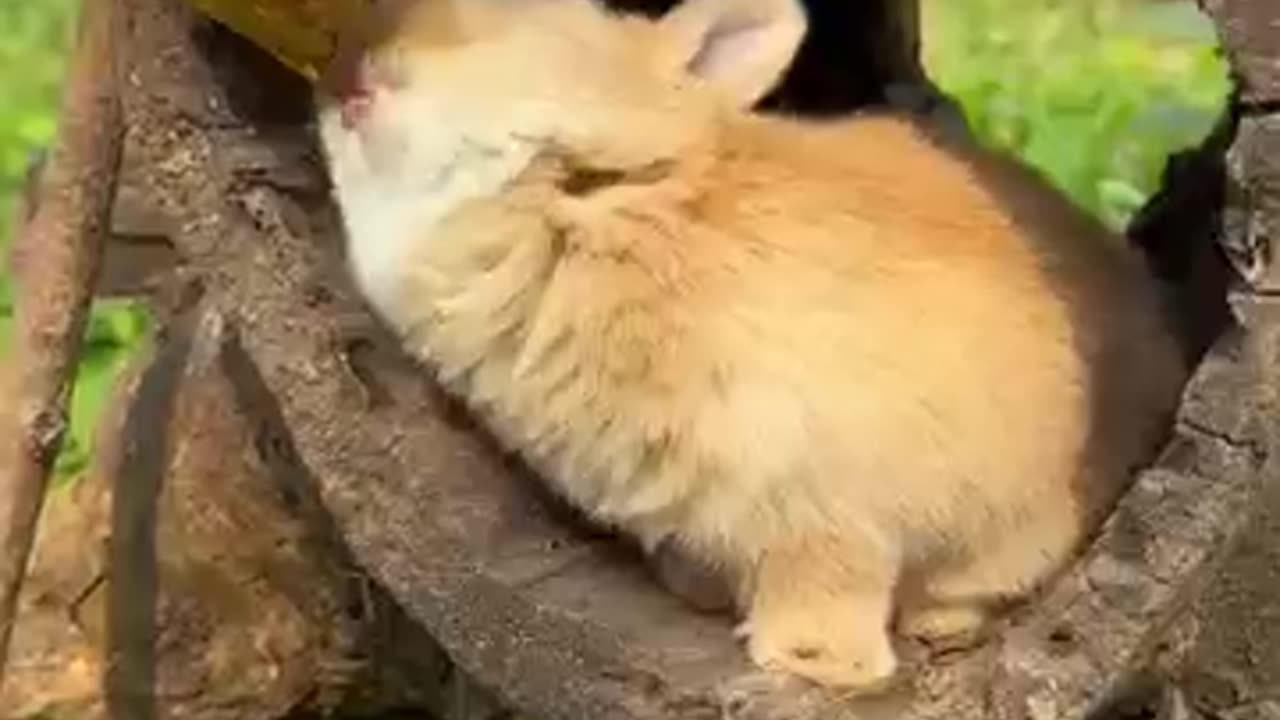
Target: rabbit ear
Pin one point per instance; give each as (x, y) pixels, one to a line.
(740, 47)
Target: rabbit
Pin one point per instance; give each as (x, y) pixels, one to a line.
(881, 380)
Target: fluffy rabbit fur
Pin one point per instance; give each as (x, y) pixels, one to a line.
(874, 377)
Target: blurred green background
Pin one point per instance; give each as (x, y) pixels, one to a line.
(1096, 93)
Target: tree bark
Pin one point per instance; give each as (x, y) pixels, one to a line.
(61, 246)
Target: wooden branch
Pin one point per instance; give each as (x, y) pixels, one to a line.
(61, 247)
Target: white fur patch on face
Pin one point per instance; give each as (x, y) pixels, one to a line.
(398, 174)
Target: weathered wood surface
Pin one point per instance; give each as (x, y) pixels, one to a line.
(1253, 219)
(1223, 652)
(62, 240)
(192, 574)
(1249, 30)
(562, 621)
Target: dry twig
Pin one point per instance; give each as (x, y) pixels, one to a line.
(61, 247)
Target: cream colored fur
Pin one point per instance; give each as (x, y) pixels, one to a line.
(827, 358)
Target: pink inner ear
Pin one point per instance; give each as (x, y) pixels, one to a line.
(728, 46)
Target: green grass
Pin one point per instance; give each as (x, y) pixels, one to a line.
(34, 37)
(1096, 93)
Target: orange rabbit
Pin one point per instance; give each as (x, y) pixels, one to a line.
(873, 376)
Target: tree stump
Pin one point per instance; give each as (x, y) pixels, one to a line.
(562, 621)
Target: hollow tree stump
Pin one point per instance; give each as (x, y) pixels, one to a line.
(563, 622)
(1224, 651)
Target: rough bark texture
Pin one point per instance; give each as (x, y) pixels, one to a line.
(193, 568)
(1253, 221)
(1165, 615)
(1248, 29)
(62, 244)
(1224, 650)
